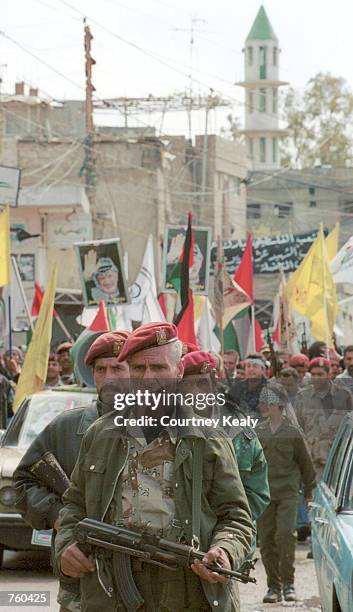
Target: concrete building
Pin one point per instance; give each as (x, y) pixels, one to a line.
(261, 83)
(142, 183)
(209, 178)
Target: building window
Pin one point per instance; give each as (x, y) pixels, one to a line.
(346, 207)
(262, 150)
(253, 211)
(250, 56)
(312, 190)
(251, 101)
(275, 56)
(251, 147)
(262, 62)
(274, 150)
(312, 204)
(262, 101)
(274, 100)
(282, 211)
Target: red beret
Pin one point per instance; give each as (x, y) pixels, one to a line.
(64, 346)
(298, 360)
(198, 362)
(109, 344)
(150, 335)
(189, 347)
(319, 362)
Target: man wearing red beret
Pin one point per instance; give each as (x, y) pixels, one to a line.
(320, 408)
(300, 363)
(40, 506)
(149, 480)
(201, 367)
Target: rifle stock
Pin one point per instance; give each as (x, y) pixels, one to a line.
(49, 471)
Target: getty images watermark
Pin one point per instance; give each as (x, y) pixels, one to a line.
(175, 409)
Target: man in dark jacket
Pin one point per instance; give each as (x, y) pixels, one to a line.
(148, 478)
(6, 400)
(39, 505)
(245, 393)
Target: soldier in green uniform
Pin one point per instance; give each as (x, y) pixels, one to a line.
(36, 502)
(200, 368)
(320, 408)
(144, 480)
(289, 464)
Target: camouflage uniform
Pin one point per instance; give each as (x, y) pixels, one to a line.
(319, 414)
(113, 482)
(147, 487)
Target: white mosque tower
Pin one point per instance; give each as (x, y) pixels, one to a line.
(262, 129)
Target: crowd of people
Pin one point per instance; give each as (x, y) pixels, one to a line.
(250, 480)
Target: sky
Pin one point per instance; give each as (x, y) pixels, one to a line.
(143, 47)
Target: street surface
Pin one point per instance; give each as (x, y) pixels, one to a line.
(28, 571)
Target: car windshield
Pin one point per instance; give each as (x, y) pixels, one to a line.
(43, 408)
(348, 498)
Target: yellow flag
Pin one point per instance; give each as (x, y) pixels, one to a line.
(34, 371)
(331, 242)
(4, 247)
(311, 290)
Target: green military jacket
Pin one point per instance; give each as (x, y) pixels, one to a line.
(225, 514)
(253, 470)
(319, 424)
(288, 459)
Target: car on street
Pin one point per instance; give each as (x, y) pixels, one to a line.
(332, 524)
(31, 418)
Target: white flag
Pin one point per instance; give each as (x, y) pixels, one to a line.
(342, 264)
(144, 305)
(206, 337)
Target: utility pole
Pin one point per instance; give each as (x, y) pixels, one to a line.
(89, 163)
(191, 30)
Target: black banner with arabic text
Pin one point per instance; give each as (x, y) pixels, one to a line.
(270, 253)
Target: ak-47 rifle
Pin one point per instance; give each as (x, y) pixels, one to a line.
(304, 341)
(273, 357)
(90, 534)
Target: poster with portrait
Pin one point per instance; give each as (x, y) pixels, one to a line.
(102, 272)
(174, 239)
(26, 266)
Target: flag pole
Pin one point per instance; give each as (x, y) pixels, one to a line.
(253, 330)
(22, 291)
(327, 340)
(10, 323)
(221, 312)
(284, 310)
(63, 327)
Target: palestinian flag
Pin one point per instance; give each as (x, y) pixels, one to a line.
(184, 317)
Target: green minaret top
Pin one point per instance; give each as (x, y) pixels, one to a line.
(261, 28)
